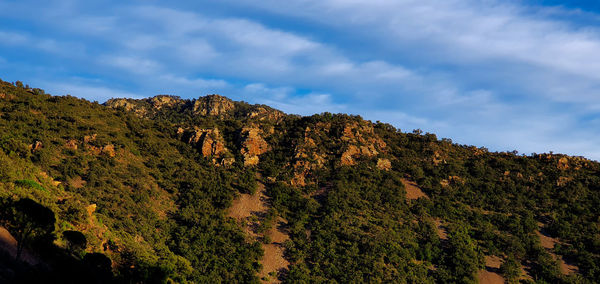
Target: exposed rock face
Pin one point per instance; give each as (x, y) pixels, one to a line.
(562, 181)
(438, 159)
(89, 138)
(90, 209)
(109, 150)
(209, 141)
(349, 155)
(211, 144)
(262, 113)
(384, 164)
(362, 142)
(253, 145)
(158, 102)
(71, 144)
(307, 155)
(213, 105)
(452, 180)
(563, 163)
(128, 105)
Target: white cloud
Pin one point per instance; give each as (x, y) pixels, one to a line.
(493, 73)
(195, 83)
(132, 64)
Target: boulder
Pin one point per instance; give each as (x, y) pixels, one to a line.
(384, 164)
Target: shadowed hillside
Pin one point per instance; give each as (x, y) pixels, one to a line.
(210, 189)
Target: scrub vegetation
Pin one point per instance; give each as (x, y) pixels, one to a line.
(139, 191)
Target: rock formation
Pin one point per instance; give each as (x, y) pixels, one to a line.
(211, 144)
(253, 145)
(128, 105)
(384, 164)
(263, 113)
(158, 102)
(361, 141)
(213, 105)
(307, 155)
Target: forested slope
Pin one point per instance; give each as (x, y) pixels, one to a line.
(139, 190)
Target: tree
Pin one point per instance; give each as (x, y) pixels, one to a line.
(462, 258)
(511, 269)
(27, 221)
(76, 241)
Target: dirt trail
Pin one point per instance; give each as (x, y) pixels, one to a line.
(250, 211)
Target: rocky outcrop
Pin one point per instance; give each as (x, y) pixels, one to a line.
(161, 101)
(562, 181)
(211, 144)
(563, 163)
(264, 113)
(253, 145)
(349, 155)
(438, 158)
(384, 164)
(307, 155)
(452, 180)
(129, 105)
(361, 141)
(213, 105)
(90, 209)
(89, 138)
(71, 144)
(109, 150)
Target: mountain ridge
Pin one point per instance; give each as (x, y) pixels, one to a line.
(149, 182)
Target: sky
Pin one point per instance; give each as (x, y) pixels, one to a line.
(502, 74)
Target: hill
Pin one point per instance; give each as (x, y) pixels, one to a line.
(212, 190)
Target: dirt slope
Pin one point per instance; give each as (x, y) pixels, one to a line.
(250, 211)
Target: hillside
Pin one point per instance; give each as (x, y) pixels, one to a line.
(212, 190)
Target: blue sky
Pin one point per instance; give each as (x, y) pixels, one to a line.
(506, 75)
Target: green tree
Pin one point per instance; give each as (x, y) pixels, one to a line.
(511, 270)
(462, 257)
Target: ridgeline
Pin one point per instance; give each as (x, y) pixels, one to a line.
(213, 190)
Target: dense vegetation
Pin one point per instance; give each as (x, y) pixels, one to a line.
(122, 193)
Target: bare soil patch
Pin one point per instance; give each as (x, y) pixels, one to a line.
(77, 182)
(487, 277)
(491, 275)
(247, 205)
(567, 268)
(412, 190)
(249, 211)
(441, 229)
(548, 243)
